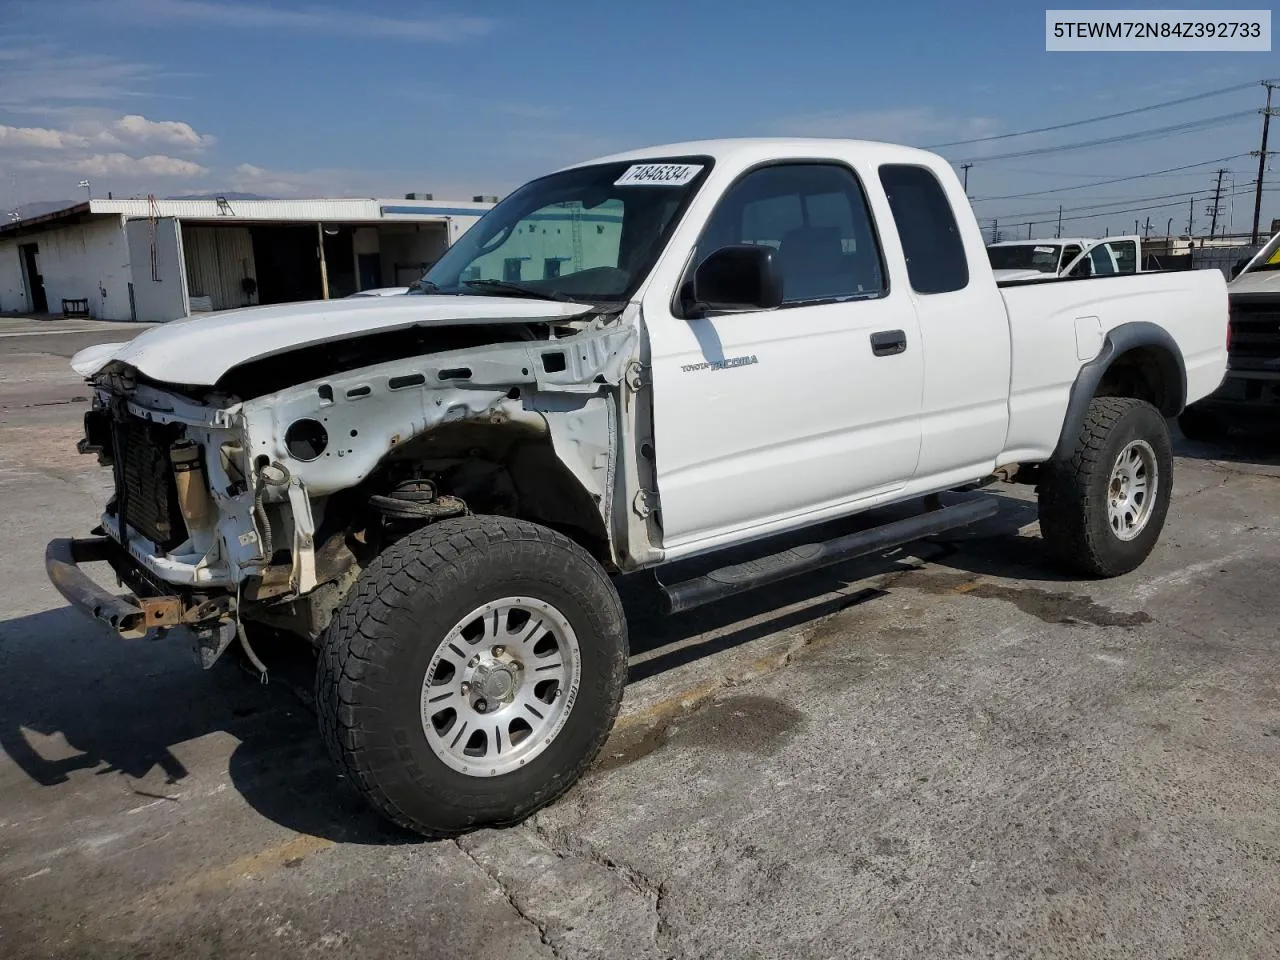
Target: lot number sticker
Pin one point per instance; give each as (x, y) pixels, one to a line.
(658, 175)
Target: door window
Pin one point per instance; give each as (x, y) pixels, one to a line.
(815, 215)
(1100, 259)
(1125, 253)
(936, 260)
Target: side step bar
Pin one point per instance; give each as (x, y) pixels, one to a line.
(740, 577)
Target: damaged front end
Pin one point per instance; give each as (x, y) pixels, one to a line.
(260, 497)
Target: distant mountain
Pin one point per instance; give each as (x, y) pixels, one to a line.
(38, 208)
(225, 196)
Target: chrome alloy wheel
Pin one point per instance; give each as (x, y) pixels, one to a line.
(500, 686)
(1131, 493)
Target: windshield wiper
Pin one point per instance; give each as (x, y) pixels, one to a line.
(519, 290)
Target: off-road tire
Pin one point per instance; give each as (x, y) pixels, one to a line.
(375, 654)
(1073, 490)
(1202, 427)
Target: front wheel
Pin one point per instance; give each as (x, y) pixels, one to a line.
(1103, 505)
(472, 675)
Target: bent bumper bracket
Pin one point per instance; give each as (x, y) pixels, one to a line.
(61, 562)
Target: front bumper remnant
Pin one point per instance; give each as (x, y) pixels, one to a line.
(130, 616)
(61, 562)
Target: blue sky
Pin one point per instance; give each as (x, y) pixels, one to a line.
(381, 97)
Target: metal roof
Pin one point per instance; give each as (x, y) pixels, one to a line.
(337, 210)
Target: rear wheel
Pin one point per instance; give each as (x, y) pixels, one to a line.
(473, 674)
(1102, 507)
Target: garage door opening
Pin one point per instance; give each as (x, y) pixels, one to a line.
(243, 265)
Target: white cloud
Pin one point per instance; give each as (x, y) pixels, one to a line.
(317, 19)
(86, 134)
(139, 129)
(39, 138)
(910, 125)
(118, 165)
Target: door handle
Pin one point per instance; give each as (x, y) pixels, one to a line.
(886, 343)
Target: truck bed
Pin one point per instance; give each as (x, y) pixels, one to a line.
(1056, 324)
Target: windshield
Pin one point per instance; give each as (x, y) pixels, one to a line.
(1270, 263)
(1041, 257)
(590, 233)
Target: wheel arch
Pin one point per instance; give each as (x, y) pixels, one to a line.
(548, 490)
(1138, 359)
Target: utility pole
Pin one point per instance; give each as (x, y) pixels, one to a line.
(324, 266)
(1058, 235)
(1146, 231)
(1262, 161)
(1217, 199)
(965, 167)
(1191, 214)
(995, 230)
(1135, 224)
(1028, 229)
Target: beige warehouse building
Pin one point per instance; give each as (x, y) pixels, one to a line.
(156, 260)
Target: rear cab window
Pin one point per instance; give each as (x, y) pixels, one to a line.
(927, 227)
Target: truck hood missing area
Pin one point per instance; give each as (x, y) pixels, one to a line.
(199, 350)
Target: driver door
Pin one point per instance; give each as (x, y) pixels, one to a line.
(770, 418)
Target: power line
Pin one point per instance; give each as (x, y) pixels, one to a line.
(1203, 123)
(1112, 213)
(1099, 183)
(1081, 176)
(1182, 195)
(1115, 213)
(1109, 116)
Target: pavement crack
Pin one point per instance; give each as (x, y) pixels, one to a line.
(568, 846)
(54, 403)
(1231, 470)
(509, 895)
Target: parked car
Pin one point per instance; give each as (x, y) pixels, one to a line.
(1079, 257)
(1249, 396)
(438, 490)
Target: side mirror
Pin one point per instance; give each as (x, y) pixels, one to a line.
(736, 279)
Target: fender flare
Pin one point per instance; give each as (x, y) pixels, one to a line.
(1119, 341)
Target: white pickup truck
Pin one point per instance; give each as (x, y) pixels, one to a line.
(740, 338)
(1079, 257)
